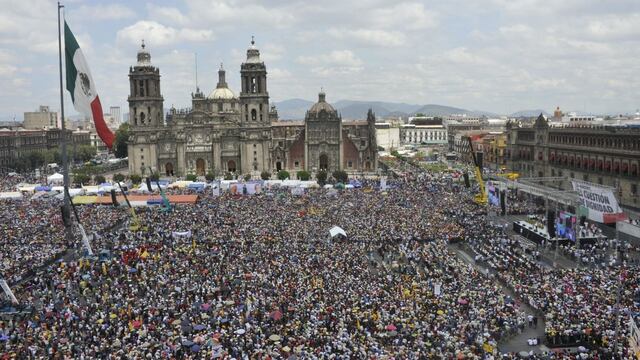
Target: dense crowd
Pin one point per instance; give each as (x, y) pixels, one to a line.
(259, 277)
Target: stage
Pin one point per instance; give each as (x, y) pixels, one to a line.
(540, 234)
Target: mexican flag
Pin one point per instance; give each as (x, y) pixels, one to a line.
(82, 88)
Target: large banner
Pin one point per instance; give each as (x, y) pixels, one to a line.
(602, 204)
(634, 338)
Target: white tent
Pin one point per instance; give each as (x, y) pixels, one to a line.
(55, 178)
(11, 195)
(154, 187)
(337, 230)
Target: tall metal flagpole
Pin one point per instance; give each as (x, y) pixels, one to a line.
(65, 162)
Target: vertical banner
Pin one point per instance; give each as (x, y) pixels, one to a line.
(601, 202)
(251, 188)
(85, 240)
(8, 291)
(383, 184)
(215, 188)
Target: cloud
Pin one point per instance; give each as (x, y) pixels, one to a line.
(369, 36)
(335, 62)
(157, 34)
(102, 12)
(411, 16)
(225, 13)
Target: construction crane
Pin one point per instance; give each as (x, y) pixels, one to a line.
(481, 197)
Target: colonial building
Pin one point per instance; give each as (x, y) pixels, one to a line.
(608, 155)
(223, 133)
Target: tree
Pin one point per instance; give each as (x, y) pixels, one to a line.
(192, 177)
(303, 175)
(118, 177)
(120, 143)
(341, 176)
(35, 159)
(210, 176)
(85, 152)
(228, 176)
(265, 175)
(420, 115)
(99, 179)
(80, 178)
(135, 178)
(283, 175)
(321, 176)
(247, 177)
(154, 177)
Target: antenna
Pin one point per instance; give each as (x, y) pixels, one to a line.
(196, 58)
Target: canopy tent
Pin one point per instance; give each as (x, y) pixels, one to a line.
(11, 195)
(337, 230)
(154, 187)
(56, 178)
(197, 186)
(93, 189)
(27, 187)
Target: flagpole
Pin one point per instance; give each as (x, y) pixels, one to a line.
(63, 137)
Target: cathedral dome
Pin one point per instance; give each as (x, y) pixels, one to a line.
(222, 93)
(322, 104)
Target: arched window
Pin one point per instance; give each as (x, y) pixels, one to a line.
(254, 114)
(141, 88)
(254, 85)
(142, 117)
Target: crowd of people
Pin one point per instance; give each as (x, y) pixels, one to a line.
(260, 277)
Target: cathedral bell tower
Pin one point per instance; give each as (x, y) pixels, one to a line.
(145, 113)
(254, 97)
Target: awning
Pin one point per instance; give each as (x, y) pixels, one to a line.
(336, 230)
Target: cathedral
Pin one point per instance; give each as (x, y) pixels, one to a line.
(224, 133)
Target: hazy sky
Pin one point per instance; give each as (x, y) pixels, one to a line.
(494, 55)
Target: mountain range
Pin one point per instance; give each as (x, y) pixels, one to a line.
(295, 109)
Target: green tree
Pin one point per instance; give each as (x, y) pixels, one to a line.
(192, 177)
(341, 176)
(265, 175)
(247, 177)
(120, 143)
(303, 175)
(228, 176)
(99, 179)
(81, 178)
(154, 177)
(85, 152)
(118, 177)
(35, 159)
(283, 175)
(210, 176)
(321, 176)
(135, 178)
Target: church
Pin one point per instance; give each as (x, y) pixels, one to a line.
(224, 133)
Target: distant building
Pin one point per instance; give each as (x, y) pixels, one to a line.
(388, 136)
(16, 144)
(423, 134)
(43, 118)
(114, 111)
(603, 154)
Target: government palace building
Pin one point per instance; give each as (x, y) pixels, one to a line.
(224, 133)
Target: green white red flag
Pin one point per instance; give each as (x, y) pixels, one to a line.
(82, 88)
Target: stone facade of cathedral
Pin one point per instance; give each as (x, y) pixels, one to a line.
(223, 133)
